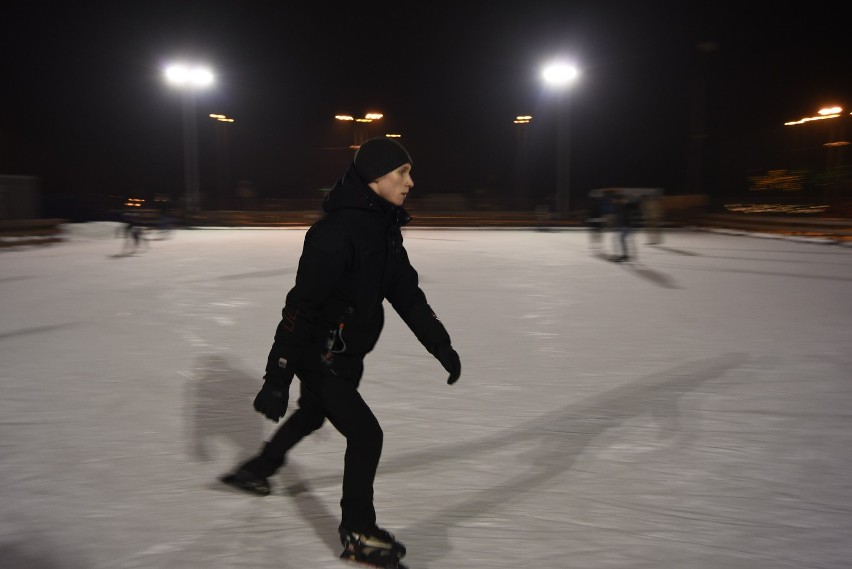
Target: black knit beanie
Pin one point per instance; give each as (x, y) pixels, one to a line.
(378, 156)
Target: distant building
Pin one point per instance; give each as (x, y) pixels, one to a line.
(20, 197)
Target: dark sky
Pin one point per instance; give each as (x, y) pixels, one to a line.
(84, 105)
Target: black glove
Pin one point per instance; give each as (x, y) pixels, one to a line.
(450, 360)
(271, 401)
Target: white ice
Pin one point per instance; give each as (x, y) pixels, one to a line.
(690, 410)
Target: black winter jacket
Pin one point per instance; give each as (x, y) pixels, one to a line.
(352, 260)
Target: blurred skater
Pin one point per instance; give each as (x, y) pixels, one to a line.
(652, 215)
(596, 222)
(626, 219)
(608, 213)
(134, 236)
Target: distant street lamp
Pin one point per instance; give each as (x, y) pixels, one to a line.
(833, 138)
(190, 79)
(560, 76)
(359, 133)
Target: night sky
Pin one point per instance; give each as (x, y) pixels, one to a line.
(85, 108)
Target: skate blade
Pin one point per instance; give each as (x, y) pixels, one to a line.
(232, 481)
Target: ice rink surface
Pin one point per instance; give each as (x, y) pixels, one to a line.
(690, 410)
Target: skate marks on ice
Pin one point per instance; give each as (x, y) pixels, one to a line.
(554, 442)
(38, 330)
(219, 412)
(636, 267)
(643, 271)
(250, 531)
(655, 277)
(640, 270)
(684, 252)
(312, 510)
(259, 274)
(124, 254)
(294, 501)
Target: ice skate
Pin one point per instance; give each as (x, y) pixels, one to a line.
(247, 482)
(376, 548)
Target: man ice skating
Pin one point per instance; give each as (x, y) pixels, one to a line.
(352, 260)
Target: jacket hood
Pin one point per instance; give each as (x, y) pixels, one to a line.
(352, 192)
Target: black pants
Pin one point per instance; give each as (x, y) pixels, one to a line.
(624, 233)
(336, 399)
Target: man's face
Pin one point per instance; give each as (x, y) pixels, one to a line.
(394, 185)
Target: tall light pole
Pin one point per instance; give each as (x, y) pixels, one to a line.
(223, 162)
(190, 79)
(698, 119)
(519, 194)
(559, 76)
